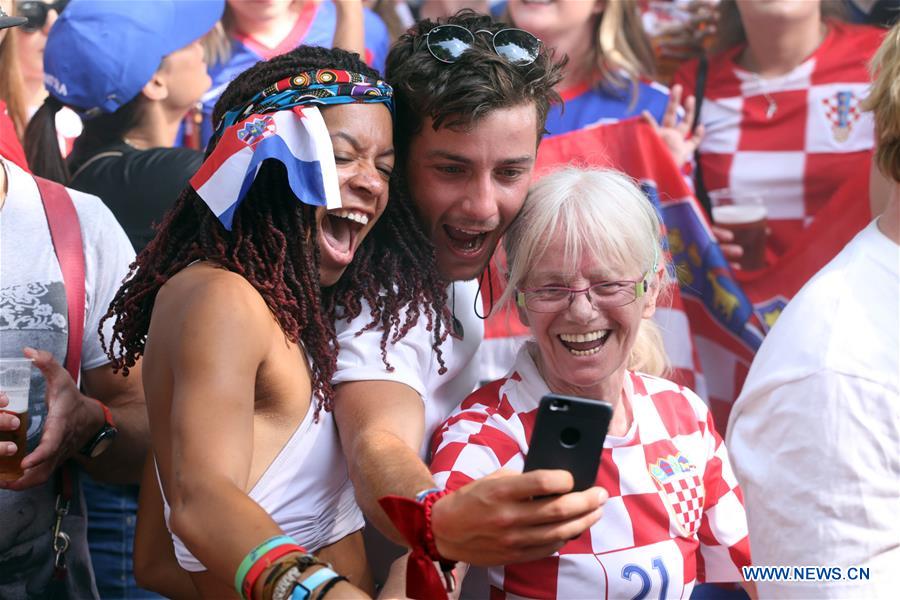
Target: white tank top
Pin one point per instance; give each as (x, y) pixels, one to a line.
(306, 490)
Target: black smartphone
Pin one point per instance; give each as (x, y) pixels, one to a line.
(568, 434)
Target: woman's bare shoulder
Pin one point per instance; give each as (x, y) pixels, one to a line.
(204, 296)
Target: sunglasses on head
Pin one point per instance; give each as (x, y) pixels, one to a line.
(447, 43)
(36, 12)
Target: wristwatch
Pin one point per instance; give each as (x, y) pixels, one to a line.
(98, 444)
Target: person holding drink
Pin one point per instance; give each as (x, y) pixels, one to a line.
(15, 381)
(104, 428)
(744, 217)
(586, 267)
(781, 110)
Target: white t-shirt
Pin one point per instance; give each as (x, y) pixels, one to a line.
(414, 364)
(32, 295)
(33, 312)
(815, 434)
(413, 359)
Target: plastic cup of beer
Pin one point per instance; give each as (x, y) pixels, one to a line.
(15, 383)
(745, 217)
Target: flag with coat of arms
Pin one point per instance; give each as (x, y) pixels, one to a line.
(297, 138)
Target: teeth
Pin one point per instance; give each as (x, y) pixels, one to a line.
(357, 217)
(469, 231)
(584, 352)
(583, 337)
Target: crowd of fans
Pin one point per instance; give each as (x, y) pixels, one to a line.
(293, 276)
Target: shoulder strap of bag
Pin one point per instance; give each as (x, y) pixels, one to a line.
(699, 92)
(65, 231)
(92, 160)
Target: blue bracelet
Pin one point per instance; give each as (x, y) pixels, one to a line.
(425, 493)
(305, 588)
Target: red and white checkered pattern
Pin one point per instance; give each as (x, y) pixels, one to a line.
(794, 160)
(685, 497)
(668, 539)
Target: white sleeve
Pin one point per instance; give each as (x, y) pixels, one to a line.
(818, 459)
(360, 357)
(107, 256)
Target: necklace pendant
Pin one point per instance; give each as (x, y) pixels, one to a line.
(458, 330)
(772, 108)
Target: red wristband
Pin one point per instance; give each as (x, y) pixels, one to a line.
(413, 520)
(430, 544)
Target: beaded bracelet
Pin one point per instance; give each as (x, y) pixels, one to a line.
(285, 574)
(259, 559)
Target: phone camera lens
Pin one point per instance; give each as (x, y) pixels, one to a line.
(569, 437)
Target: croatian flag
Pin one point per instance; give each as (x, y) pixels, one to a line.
(298, 138)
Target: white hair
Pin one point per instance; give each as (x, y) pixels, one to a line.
(599, 212)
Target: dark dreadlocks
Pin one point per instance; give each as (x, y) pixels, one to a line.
(273, 246)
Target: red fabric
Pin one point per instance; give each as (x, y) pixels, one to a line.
(412, 520)
(10, 148)
(65, 231)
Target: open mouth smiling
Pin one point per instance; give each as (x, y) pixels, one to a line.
(584, 344)
(466, 241)
(340, 230)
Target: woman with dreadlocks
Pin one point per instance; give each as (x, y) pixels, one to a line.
(233, 304)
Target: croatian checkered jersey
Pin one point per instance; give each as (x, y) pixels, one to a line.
(793, 141)
(675, 514)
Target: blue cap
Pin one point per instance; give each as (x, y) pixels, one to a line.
(101, 53)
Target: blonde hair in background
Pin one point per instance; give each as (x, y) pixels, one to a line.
(730, 29)
(12, 87)
(216, 45)
(884, 102)
(601, 212)
(622, 45)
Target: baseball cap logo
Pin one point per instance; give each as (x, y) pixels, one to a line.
(58, 86)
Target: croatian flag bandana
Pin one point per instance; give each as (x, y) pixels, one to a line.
(297, 137)
(283, 122)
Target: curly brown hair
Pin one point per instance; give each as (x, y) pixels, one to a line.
(458, 95)
(273, 246)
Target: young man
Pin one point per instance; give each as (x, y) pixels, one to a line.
(472, 100)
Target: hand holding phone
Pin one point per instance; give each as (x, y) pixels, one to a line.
(568, 434)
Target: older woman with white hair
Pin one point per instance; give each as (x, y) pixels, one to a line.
(586, 267)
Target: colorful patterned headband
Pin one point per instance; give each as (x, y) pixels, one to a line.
(318, 88)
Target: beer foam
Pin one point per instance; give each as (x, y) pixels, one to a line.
(734, 214)
(18, 400)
